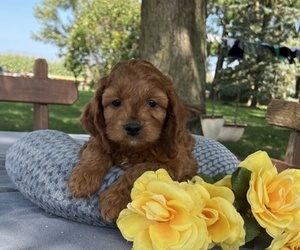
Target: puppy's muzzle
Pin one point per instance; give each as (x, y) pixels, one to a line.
(132, 128)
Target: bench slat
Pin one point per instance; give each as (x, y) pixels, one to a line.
(284, 114)
(37, 90)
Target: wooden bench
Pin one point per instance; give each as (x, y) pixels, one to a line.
(39, 90)
(287, 114)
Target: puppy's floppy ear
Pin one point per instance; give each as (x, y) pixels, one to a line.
(87, 119)
(175, 124)
(92, 118)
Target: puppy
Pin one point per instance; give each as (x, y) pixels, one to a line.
(136, 122)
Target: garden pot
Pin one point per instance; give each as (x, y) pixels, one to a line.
(211, 125)
(231, 132)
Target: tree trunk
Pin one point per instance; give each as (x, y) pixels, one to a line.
(221, 57)
(297, 89)
(173, 38)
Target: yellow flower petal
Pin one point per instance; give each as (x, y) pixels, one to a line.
(171, 191)
(141, 183)
(197, 193)
(256, 161)
(210, 216)
(182, 218)
(195, 237)
(137, 205)
(131, 223)
(157, 209)
(295, 173)
(223, 192)
(286, 241)
(163, 236)
(215, 190)
(225, 182)
(142, 241)
(217, 224)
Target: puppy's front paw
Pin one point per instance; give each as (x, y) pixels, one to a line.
(112, 203)
(84, 183)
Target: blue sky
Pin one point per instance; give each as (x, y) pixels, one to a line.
(17, 25)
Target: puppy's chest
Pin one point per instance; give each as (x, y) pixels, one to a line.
(128, 161)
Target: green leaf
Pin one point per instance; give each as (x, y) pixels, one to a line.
(240, 181)
(206, 178)
(252, 228)
(240, 185)
(212, 179)
(219, 176)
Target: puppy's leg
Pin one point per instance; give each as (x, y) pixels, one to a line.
(87, 176)
(114, 199)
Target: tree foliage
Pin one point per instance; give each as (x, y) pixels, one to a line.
(93, 35)
(270, 21)
(56, 18)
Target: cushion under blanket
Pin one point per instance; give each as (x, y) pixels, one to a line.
(40, 164)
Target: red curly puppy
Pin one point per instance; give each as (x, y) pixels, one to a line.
(136, 122)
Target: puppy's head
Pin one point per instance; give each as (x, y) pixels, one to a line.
(135, 106)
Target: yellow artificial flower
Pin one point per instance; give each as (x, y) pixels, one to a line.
(286, 241)
(226, 182)
(255, 161)
(215, 190)
(162, 215)
(274, 198)
(225, 225)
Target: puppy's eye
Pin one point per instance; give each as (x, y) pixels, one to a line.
(116, 103)
(152, 103)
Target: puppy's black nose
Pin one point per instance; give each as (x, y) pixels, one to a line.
(132, 128)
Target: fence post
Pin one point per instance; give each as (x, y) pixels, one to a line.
(41, 113)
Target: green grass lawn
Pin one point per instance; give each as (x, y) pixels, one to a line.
(258, 134)
(19, 116)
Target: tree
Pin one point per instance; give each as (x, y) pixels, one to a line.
(173, 38)
(101, 32)
(92, 35)
(259, 74)
(56, 18)
(104, 33)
